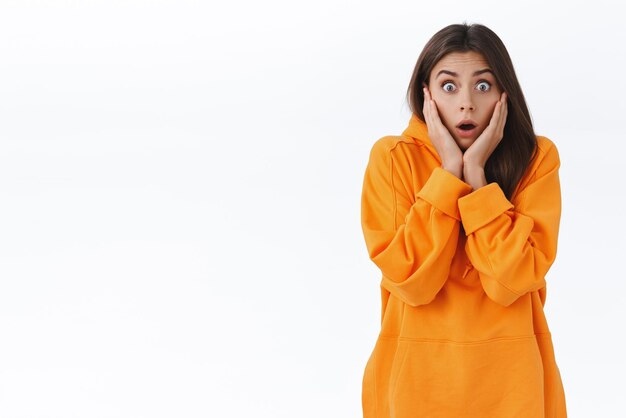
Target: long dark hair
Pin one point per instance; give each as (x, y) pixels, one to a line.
(509, 161)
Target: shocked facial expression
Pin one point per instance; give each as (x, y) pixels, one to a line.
(466, 92)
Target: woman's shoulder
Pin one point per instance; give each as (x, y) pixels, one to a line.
(388, 143)
(544, 143)
(545, 161)
(548, 156)
(403, 150)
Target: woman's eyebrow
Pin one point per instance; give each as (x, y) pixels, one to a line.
(453, 74)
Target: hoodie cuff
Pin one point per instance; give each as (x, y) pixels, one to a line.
(442, 190)
(482, 206)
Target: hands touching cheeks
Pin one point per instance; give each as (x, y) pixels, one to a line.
(469, 166)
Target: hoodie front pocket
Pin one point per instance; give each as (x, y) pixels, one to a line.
(501, 377)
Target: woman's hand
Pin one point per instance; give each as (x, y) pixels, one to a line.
(447, 148)
(477, 154)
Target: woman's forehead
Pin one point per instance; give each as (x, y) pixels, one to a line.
(461, 61)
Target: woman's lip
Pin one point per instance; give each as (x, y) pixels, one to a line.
(466, 133)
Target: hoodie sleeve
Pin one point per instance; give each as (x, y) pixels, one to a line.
(513, 247)
(412, 239)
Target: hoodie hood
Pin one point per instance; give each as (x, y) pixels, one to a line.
(418, 130)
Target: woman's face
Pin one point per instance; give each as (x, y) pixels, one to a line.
(463, 90)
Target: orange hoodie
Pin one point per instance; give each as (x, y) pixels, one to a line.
(463, 331)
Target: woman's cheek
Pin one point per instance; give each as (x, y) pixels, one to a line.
(492, 106)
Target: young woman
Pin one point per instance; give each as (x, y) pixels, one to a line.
(461, 214)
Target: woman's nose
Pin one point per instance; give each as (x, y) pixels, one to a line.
(466, 101)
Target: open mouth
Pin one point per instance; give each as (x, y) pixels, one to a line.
(467, 129)
(467, 126)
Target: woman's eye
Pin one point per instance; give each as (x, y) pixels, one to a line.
(445, 84)
(482, 86)
(485, 83)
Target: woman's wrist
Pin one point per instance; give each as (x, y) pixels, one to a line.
(456, 169)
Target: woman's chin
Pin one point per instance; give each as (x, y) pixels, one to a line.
(464, 143)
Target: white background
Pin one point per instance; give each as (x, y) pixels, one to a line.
(179, 198)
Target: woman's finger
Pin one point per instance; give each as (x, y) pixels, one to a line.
(435, 114)
(495, 118)
(497, 114)
(504, 113)
(427, 108)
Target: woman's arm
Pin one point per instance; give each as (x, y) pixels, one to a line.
(513, 247)
(412, 239)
